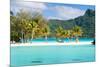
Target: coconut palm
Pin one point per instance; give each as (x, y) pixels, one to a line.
(22, 27)
(42, 24)
(23, 19)
(60, 34)
(77, 31)
(46, 32)
(34, 27)
(68, 34)
(59, 31)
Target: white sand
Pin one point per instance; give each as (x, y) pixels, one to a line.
(50, 43)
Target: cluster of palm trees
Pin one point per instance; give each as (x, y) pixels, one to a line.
(26, 25)
(75, 32)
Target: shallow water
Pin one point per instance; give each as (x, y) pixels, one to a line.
(36, 55)
(55, 40)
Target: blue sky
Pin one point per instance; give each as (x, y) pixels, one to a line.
(52, 10)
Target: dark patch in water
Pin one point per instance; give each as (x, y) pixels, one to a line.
(36, 61)
(76, 59)
(93, 43)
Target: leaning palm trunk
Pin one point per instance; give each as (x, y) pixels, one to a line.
(32, 35)
(22, 37)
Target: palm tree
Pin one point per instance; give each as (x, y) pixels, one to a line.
(34, 27)
(22, 26)
(59, 31)
(60, 34)
(77, 31)
(68, 34)
(41, 26)
(46, 32)
(23, 19)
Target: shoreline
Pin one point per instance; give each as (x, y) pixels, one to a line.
(51, 43)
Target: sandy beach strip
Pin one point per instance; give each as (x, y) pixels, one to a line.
(51, 43)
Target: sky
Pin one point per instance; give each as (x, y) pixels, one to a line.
(51, 10)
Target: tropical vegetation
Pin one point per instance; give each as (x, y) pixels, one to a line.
(26, 25)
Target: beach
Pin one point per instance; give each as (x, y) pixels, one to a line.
(51, 43)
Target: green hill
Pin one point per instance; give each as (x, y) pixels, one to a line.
(87, 22)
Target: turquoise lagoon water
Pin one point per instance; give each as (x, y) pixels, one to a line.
(54, 40)
(38, 55)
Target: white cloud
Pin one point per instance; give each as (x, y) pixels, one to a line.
(59, 11)
(66, 12)
(33, 6)
(54, 17)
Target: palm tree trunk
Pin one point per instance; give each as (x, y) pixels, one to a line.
(32, 35)
(22, 37)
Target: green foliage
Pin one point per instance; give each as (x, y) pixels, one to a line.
(26, 25)
(77, 31)
(86, 22)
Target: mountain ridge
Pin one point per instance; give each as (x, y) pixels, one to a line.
(87, 22)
